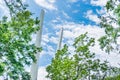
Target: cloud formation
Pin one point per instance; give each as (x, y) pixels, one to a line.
(47, 4)
(91, 16)
(71, 31)
(3, 9)
(42, 73)
(99, 2)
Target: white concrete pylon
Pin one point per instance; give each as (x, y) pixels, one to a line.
(60, 39)
(35, 66)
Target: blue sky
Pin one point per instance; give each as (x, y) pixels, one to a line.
(60, 12)
(76, 17)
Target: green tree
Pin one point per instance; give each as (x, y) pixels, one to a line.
(114, 76)
(79, 65)
(82, 64)
(111, 23)
(16, 49)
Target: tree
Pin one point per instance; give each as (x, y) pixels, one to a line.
(16, 49)
(115, 76)
(111, 23)
(79, 65)
(82, 64)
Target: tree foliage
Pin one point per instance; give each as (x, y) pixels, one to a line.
(79, 65)
(16, 51)
(113, 78)
(111, 23)
(82, 64)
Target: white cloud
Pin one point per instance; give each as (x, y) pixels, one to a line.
(23, 1)
(57, 19)
(1, 78)
(54, 39)
(101, 11)
(92, 16)
(66, 15)
(99, 2)
(4, 10)
(52, 1)
(47, 4)
(77, 29)
(66, 25)
(42, 73)
(68, 34)
(2, 4)
(112, 58)
(72, 30)
(45, 38)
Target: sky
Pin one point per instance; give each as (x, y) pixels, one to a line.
(76, 17)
